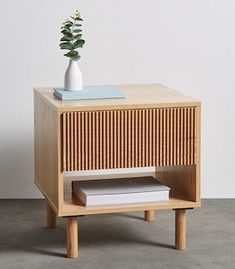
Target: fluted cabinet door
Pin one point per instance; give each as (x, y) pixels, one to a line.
(128, 138)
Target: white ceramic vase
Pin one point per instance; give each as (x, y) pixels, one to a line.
(73, 77)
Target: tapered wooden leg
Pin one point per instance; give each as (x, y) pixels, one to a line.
(180, 229)
(72, 237)
(149, 215)
(51, 217)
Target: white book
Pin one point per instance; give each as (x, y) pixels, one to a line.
(120, 191)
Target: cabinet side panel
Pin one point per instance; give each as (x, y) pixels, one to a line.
(46, 150)
(181, 179)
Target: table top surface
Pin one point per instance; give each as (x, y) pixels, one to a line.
(137, 97)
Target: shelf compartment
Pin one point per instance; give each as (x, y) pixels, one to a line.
(180, 197)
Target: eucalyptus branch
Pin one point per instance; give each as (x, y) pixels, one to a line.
(72, 34)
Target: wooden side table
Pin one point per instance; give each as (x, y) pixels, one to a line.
(154, 126)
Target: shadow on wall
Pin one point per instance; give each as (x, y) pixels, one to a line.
(16, 168)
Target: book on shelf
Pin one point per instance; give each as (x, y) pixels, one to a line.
(89, 92)
(120, 191)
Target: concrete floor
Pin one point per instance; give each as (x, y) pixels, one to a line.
(117, 240)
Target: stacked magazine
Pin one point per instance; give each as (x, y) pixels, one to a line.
(120, 191)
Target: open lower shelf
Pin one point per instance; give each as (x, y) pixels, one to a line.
(181, 195)
(73, 207)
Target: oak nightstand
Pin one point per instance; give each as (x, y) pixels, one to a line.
(153, 126)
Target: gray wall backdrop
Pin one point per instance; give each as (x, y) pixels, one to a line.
(187, 45)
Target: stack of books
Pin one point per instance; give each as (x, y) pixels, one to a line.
(120, 191)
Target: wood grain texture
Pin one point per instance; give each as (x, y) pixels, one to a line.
(72, 237)
(154, 126)
(149, 215)
(181, 195)
(181, 179)
(73, 207)
(197, 152)
(150, 134)
(47, 153)
(180, 229)
(139, 96)
(162, 130)
(51, 217)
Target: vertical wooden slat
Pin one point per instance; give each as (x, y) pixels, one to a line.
(111, 140)
(97, 139)
(171, 136)
(167, 136)
(164, 151)
(188, 135)
(64, 142)
(178, 137)
(75, 141)
(83, 141)
(181, 136)
(192, 138)
(72, 141)
(122, 139)
(143, 127)
(161, 143)
(158, 123)
(129, 135)
(68, 141)
(146, 153)
(185, 136)
(79, 146)
(154, 138)
(89, 141)
(115, 139)
(126, 133)
(93, 147)
(175, 135)
(104, 139)
(150, 144)
(101, 150)
(132, 138)
(136, 138)
(108, 140)
(118, 138)
(139, 139)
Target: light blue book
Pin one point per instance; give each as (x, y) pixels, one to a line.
(89, 92)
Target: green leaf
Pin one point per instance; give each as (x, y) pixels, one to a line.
(73, 55)
(78, 36)
(66, 38)
(67, 33)
(76, 58)
(79, 19)
(66, 27)
(77, 31)
(66, 45)
(67, 30)
(78, 44)
(68, 24)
